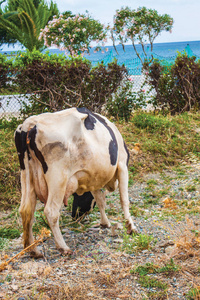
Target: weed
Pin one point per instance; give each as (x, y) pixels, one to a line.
(193, 294)
(190, 188)
(151, 182)
(3, 243)
(150, 268)
(137, 243)
(150, 197)
(9, 124)
(158, 295)
(9, 232)
(40, 221)
(136, 211)
(149, 282)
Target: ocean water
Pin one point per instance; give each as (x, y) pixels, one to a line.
(162, 51)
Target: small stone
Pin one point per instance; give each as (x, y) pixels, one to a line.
(14, 287)
(119, 241)
(145, 251)
(169, 249)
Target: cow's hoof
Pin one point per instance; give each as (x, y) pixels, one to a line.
(36, 254)
(130, 228)
(105, 225)
(65, 251)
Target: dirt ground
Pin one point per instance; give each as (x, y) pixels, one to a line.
(104, 263)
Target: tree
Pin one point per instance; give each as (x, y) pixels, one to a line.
(5, 36)
(73, 33)
(142, 25)
(22, 21)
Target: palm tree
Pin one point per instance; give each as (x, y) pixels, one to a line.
(23, 20)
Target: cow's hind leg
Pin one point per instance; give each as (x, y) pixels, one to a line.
(99, 197)
(27, 209)
(123, 189)
(52, 212)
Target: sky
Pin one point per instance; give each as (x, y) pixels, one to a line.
(186, 14)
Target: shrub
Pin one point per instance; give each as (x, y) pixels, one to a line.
(56, 82)
(5, 65)
(178, 86)
(125, 100)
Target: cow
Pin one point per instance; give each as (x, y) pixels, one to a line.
(67, 152)
(82, 204)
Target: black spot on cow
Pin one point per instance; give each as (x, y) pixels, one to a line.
(20, 143)
(128, 155)
(31, 136)
(82, 204)
(90, 125)
(90, 121)
(113, 146)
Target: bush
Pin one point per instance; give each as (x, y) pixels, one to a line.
(56, 83)
(178, 86)
(5, 66)
(125, 100)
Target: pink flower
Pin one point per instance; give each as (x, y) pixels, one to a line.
(131, 79)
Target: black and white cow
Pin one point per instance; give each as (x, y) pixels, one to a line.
(82, 204)
(67, 152)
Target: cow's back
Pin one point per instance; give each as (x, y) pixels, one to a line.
(78, 143)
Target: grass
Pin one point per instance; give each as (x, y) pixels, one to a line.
(193, 294)
(165, 142)
(169, 268)
(137, 242)
(9, 232)
(149, 282)
(9, 165)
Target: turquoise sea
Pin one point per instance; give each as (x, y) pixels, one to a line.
(162, 51)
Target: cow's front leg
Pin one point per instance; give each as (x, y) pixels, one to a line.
(100, 199)
(27, 209)
(123, 189)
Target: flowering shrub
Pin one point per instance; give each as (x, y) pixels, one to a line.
(142, 25)
(178, 86)
(73, 33)
(57, 83)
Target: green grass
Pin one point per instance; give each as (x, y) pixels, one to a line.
(165, 143)
(9, 232)
(150, 282)
(164, 140)
(9, 167)
(149, 268)
(137, 242)
(193, 294)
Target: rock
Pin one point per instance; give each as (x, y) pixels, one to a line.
(170, 249)
(118, 241)
(14, 287)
